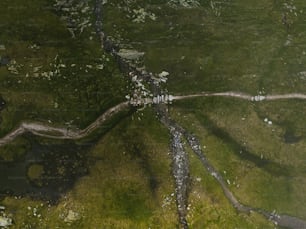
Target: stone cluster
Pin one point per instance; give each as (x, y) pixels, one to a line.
(5, 221)
(258, 98)
(76, 14)
(184, 3)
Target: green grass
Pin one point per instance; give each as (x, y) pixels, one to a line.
(208, 206)
(133, 178)
(264, 171)
(243, 49)
(78, 94)
(129, 185)
(126, 186)
(15, 151)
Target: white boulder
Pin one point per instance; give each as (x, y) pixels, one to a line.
(5, 222)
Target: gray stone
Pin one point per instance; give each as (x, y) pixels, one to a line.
(71, 217)
(5, 222)
(130, 54)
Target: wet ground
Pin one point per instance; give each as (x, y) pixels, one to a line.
(256, 47)
(62, 164)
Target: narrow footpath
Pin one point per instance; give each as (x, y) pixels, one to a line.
(180, 164)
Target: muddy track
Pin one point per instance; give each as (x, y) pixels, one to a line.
(281, 220)
(48, 131)
(180, 166)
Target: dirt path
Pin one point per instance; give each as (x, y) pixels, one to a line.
(48, 131)
(281, 220)
(180, 159)
(244, 96)
(221, 94)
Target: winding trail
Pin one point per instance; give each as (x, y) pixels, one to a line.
(49, 131)
(179, 157)
(281, 220)
(196, 148)
(278, 219)
(180, 165)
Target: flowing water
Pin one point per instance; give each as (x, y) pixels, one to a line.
(256, 47)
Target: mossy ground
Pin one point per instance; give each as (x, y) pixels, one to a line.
(77, 91)
(128, 186)
(263, 170)
(246, 47)
(209, 208)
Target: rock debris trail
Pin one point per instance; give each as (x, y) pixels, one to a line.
(181, 175)
(281, 220)
(180, 166)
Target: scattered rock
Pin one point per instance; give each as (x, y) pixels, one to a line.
(163, 74)
(184, 3)
(5, 222)
(100, 66)
(130, 54)
(34, 46)
(71, 217)
(13, 67)
(258, 98)
(141, 15)
(75, 14)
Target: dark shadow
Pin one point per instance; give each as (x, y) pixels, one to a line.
(290, 137)
(143, 160)
(63, 162)
(269, 166)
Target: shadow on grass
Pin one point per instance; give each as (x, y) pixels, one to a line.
(269, 166)
(63, 161)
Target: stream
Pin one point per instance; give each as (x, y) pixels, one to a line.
(180, 165)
